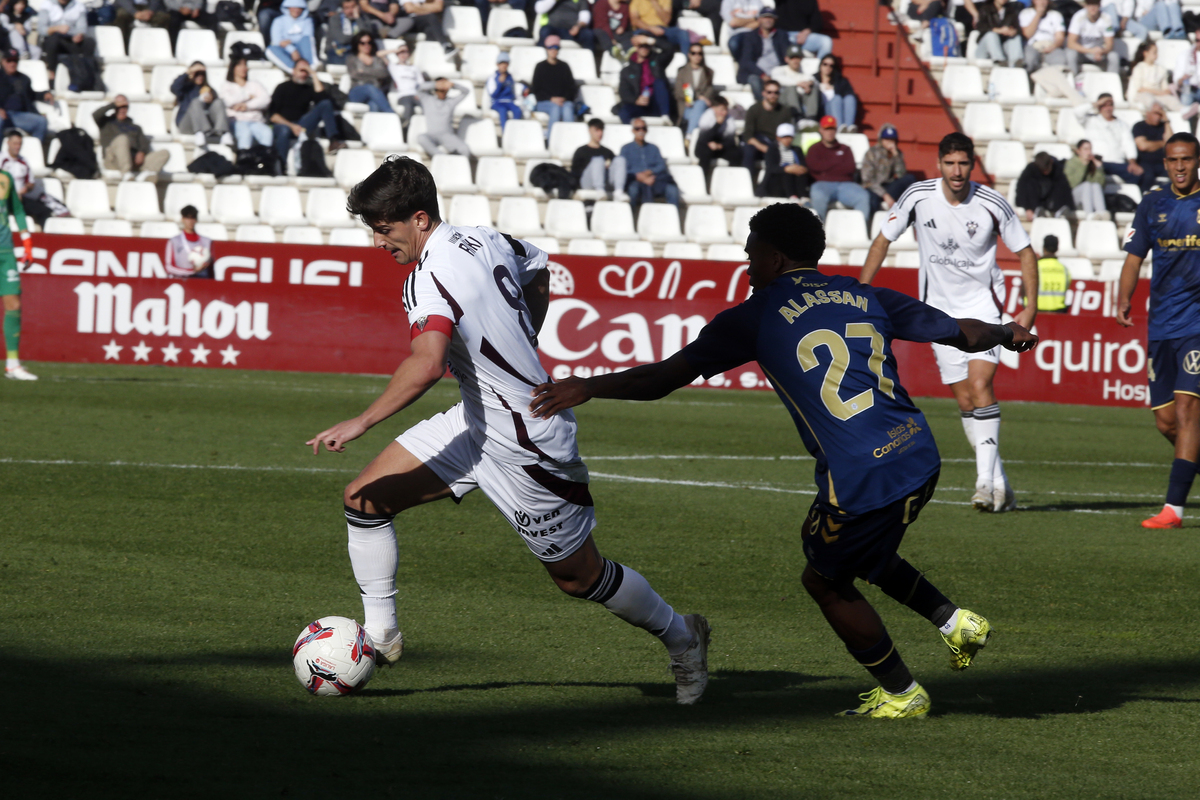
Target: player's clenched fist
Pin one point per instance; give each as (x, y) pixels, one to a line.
(335, 438)
(551, 398)
(1022, 339)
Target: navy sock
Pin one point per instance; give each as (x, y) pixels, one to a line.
(1180, 483)
(907, 586)
(883, 661)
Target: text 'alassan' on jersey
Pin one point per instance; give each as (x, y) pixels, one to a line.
(474, 277)
(824, 342)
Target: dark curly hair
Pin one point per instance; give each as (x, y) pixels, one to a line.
(956, 143)
(393, 193)
(793, 230)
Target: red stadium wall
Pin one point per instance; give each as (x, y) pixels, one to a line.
(338, 309)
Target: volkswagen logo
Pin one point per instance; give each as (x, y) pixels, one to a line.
(1191, 363)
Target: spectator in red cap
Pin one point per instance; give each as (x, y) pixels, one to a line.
(762, 120)
(17, 109)
(883, 170)
(554, 86)
(831, 165)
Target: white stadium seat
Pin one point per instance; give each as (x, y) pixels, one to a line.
(983, 121)
(350, 237)
(612, 221)
(731, 186)
(126, 79)
(566, 138)
(1046, 226)
(726, 252)
(213, 230)
(845, 229)
(470, 209)
(159, 230)
(530, 189)
(523, 59)
(566, 219)
(161, 78)
(706, 225)
(518, 216)
(582, 63)
(150, 47)
(464, 25)
(480, 137)
(669, 141)
(150, 117)
(302, 234)
(503, 19)
(631, 248)
(1009, 85)
(186, 194)
(659, 222)
(252, 37)
(740, 228)
(544, 243)
(683, 250)
(497, 176)
(524, 138)
(587, 247)
(690, 180)
(1005, 160)
(326, 208)
(197, 45)
(280, 206)
(350, 167)
(430, 58)
(255, 233)
(962, 83)
(137, 201)
(452, 173)
(67, 225)
(1031, 123)
(110, 44)
(479, 61)
(617, 136)
(88, 199)
(382, 133)
(39, 79)
(1097, 240)
(1098, 83)
(600, 99)
(107, 227)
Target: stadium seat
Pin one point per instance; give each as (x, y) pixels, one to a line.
(159, 230)
(690, 180)
(523, 59)
(524, 138)
(464, 25)
(566, 219)
(161, 78)
(689, 251)
(518, 216)
(83, 117)
(39, 79)
(101, 227)
(1110, 270)
(983, 121)
(504, 19)
(381, 132)
(731, 186)
(1009, 85)
(858, 144)
(659, 222)
(126, 79)
(908, 259)
(213, 230)
(280, 206)
(1046, 226)
(480, 137)
(350, 237)
(1098, 83)
(269, 77)
(470, 209)
(251, 37)
(430, 58)
(740, 229)
(582, 63)
(88, 199)
(71, 226)
(1031, 123)
(255, 233)
(857, 257)
(907, 240)
(566, 138)
(706, 225)
(1077, 268)
(544, 243)
(326, 208)
(1067, 128)
(600, 99)
(197, 45)
(630, 248)
(110, 45)
(1005, 160)
(352, 166)
(452, 173)
(302, 234)
(150, 47)
(724, 70)
(150, 117)
(587, 247)
(416, 127)
(726, 252)
(678, 59)
(963, 83)
(701, 25)
(1097, 240)
(497, 177)
(479, 61)
(845, 229)
(186, 194)
(612, 221)
(137, 201)
(177, 162)
(669, 141)
(617, 136)
(31, 151)
(830, 256)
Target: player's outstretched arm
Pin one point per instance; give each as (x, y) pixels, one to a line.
(975, 336)
(1029, 282)
(1128, 285)
(415, 376)
(875, 257)
(647, 382)
(537, 298)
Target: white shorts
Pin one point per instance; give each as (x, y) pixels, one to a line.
(952, 362)
(548, 505)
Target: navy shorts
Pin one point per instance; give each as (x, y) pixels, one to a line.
(841, 546)
(1173, 365)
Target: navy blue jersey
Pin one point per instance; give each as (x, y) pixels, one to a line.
(1170, 224)
(824, 342)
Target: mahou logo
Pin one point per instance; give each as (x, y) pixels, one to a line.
(109, 308)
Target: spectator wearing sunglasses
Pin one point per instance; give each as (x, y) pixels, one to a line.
(642, 85)
(762, 120)
(646, 171)
(198, 110)
(369, 77)
(694, 90)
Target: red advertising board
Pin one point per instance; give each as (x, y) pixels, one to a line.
(338, 309)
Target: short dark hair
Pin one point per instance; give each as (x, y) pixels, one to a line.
(393, 193)
(596, 122)
(771, 83)
(791, 229)
(1044, 162)
(1187, 138)
(1103, 95)
(720, 100)
(1050, 244)
(189, 212)
(956, 143)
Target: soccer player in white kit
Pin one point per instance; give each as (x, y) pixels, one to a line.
(476, 300)
(956, 222)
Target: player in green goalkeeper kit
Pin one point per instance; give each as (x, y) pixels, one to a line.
(10, 275)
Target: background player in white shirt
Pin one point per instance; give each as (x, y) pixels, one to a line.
(476, 300)
(956, 222)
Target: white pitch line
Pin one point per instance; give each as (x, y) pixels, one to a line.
(707, 457)
(153, 465)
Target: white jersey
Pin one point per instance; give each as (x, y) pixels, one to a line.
(957, 246)
(474, 278)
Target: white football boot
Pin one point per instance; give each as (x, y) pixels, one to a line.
(389, 652)
(19, 373)
(691, 666)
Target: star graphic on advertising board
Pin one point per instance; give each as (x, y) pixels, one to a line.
(112, 350)
(200, 354)
(229, 355)
(141, 351)
(171, 352)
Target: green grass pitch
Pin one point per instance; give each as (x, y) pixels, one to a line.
(166, 535)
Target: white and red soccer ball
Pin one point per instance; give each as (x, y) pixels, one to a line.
(333, 656)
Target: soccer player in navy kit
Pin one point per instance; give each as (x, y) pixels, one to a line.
(824, 343)
(1168, 220)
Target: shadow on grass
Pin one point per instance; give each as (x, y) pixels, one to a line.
(1095, 505)
(83, 730)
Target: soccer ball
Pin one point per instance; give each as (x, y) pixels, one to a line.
(198, 256)
(333, 656)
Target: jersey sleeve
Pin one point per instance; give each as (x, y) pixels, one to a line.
(1012, 232)
(529, 259)
(1138, 240)
(900, 217)
(915, 321)
(726, 342)
(425, 297)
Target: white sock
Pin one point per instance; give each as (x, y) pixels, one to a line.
(968, 422)
(948, 628)
(13, 363)
(987, 442)
(1177, 509)
(999, 476)
(374, 556)
(628, 595)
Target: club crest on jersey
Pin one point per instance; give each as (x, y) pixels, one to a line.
(972, 226)
(421, 323)
(949, 246)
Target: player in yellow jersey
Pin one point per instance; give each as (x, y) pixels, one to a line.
(10, 275)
